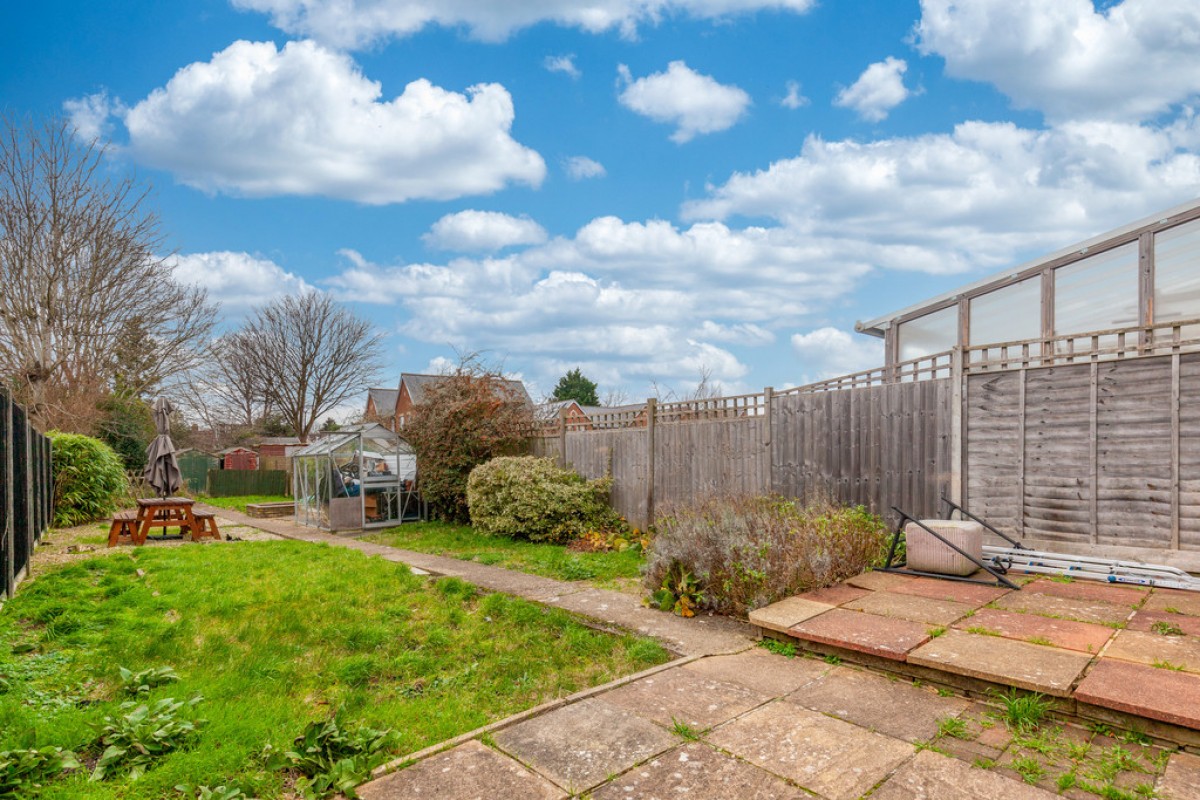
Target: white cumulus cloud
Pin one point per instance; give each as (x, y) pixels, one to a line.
(483, 231)
(1071, 60)
(793, 99)
(238, 281)
(975, 198)
(580, 167)
(877, 91)
(357, 23)
(304, 120)
(682, 97)
(828, 352)
(564, 64)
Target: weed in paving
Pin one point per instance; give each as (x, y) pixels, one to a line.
(1023, 712)
(779, 648)
(685, 731)
(1164, 628)
(954, 727)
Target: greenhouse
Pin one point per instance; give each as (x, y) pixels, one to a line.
(363, 476)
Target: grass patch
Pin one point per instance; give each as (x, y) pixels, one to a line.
(275, 636)
(240, 503)
(538, 558)
(1023, 712)
(779, 648)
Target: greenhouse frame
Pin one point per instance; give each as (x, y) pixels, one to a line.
(361, 477)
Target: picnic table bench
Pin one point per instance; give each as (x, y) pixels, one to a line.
(156, 512)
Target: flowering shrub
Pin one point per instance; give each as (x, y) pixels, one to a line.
(533, 498)
(748, 552)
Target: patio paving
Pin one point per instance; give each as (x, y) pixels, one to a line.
(1127, 649)
(580, 745)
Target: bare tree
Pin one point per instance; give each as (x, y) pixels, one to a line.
(307, 355)
(224, 394)
(88, 305)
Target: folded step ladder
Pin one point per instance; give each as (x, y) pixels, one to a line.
(1019, 559)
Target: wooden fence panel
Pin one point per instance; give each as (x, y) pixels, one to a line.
(694, 460)
(877, 446)
(1058, 486)
(620, 453)
(1133, 446)
(1189, 452)
(994, 436)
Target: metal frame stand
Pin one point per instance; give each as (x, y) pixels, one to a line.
(996, 569)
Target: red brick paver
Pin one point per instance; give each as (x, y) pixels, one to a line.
(1161, 694)
(867, 633)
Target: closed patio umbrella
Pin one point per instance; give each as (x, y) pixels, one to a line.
(162, 470)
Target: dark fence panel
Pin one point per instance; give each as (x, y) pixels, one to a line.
(241, 482)
(26, 492)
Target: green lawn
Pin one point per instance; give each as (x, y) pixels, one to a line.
(551, 560)
(240, 503)
(274, 635)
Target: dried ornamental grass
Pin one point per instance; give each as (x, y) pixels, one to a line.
(749, 552)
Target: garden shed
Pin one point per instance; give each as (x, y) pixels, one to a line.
(363, 476)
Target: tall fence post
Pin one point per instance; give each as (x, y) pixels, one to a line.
(651, 414)
(768, 438)
(957, 438)
(562, 437)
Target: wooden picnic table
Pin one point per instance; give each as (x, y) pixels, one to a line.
(156, 512)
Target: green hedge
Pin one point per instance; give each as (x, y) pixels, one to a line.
(89, 479)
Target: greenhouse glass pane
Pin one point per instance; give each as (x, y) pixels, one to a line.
(931, 333)
(1009, 314)
(1177, 276)
(1097, 293)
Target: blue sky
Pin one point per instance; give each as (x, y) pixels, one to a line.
(647, 189)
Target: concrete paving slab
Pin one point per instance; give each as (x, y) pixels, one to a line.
(1084, 637)
(914, 608)
(1161, 694)
(468, 772)
(970, 593)
(786, 613)
(1098, 611)
(1146, 620)
(697, 770)
(1123, 595)
(1174, 601)
(879, 581)
(580, 745)
(1004, 661)
(867, 633)
(760, 670)
(682, 695)
(878, 703)
(930, 776)
(835, 759)
(835, 595)
(1150, 648)
(1181, 779)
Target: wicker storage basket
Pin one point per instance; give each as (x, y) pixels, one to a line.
(928, 554)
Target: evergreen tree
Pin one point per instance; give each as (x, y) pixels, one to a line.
(576, 386)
